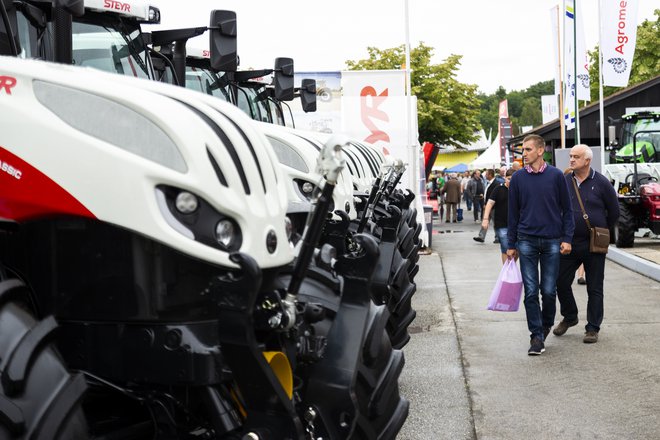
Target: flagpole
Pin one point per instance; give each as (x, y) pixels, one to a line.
(562, 125)
(577, 105)
(600, 87)
(412, 151)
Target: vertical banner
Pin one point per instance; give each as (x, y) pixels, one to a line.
(554, 24)
(504, 130)
(582, 64)
(619, 35)
(374, 109)
(549, 108)
(569, 64)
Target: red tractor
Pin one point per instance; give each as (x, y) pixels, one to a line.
(639, 193)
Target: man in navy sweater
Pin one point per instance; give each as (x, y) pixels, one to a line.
(602, 206)
(540, 229)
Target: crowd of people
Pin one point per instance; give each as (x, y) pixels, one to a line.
(542, 218)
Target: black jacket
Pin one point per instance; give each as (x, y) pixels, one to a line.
(600, 202)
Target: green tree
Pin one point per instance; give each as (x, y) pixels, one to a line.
(447, 110)
(646, 62)
(524, 106)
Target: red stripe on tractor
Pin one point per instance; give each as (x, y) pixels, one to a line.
(26, 193)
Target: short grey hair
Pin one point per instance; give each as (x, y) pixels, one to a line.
(588, 153)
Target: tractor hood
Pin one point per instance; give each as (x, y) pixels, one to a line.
(151, 158)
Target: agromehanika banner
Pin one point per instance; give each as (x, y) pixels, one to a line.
(619, 34)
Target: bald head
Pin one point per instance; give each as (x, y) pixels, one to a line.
(583, 149)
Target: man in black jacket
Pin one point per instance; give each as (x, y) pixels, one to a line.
(601, 205)
(491, 184)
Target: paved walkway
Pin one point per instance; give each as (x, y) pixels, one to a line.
(468, 375)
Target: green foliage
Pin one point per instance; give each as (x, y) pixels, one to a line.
(448, 110)
(646, 62)
(524, 106)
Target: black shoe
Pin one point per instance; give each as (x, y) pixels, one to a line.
(536, 347)
(497, 240)
(479, 239)
(582, 281)
(563, 326)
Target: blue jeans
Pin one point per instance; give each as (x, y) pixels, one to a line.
(532, 251)
(468, 200)
(478, 204)
(502, 234)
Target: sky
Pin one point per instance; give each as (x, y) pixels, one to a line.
(503, 43)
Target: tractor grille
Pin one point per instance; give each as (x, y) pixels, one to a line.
(368, 156)
(230, 149)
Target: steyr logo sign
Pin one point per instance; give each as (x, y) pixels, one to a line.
(370, 112)
(7, 83)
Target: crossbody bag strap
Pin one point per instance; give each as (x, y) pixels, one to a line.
(584, 212)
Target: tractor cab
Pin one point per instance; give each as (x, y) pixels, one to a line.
(103, 34)
(647, 146)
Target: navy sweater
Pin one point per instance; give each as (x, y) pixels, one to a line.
(540, 206)
(600, 201)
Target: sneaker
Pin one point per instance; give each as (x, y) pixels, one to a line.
(563, 326)
(479, 239)
(536, 347)
(590, 337)
(546, 332)
(582, 281)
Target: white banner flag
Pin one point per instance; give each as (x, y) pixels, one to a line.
(619, 34)
(554, 24)
(374, 109)
(569, 64)
(549, 108)
(582, 63)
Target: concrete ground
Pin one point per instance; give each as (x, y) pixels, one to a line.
(468, 375)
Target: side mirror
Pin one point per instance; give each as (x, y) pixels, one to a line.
(73, 7)
(283, 79)
(223, 41)
(308, 95)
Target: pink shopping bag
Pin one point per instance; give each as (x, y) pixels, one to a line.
(508, 289)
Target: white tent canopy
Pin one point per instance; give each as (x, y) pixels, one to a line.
(489, 158)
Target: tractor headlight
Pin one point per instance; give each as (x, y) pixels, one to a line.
(271, 241)
(154, 15)
(225, 233)
(186, 202)
(197, 219)
(289, 227)
(307, 188)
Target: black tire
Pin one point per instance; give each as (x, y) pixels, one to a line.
(382, 411)
(39, 398)
(625, 236)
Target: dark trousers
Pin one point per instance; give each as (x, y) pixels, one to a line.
(594, 270)
(478, 208)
